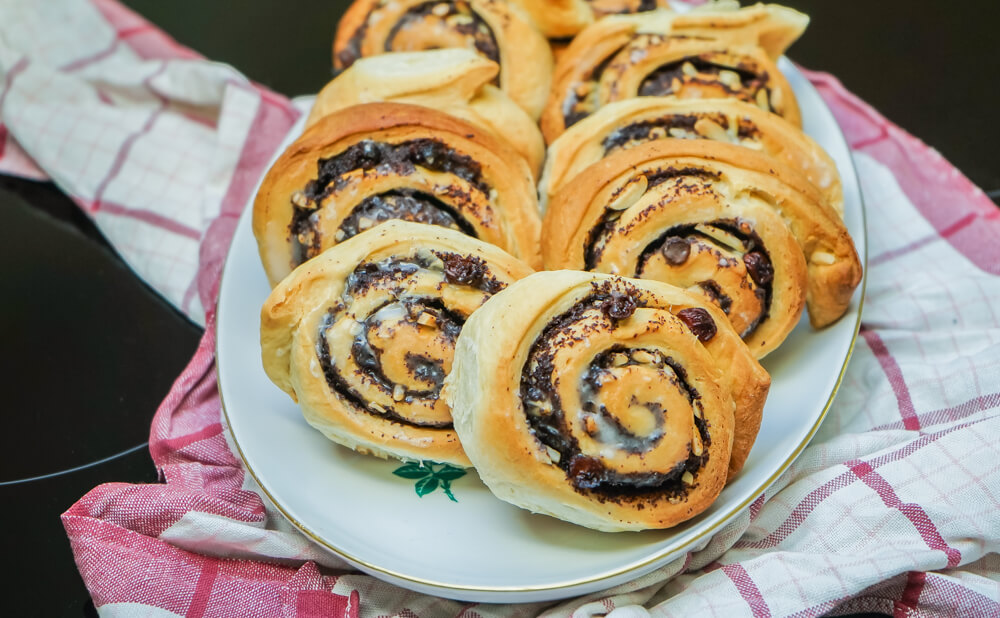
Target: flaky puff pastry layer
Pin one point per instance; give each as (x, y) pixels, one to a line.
(363, 335)
(495, 29)
(626, 124)
(454, 81)
(601, 8)
(616, 404)
(368, 163)
(565, 18)
(557, 18)
(702, 54)
(737, 227)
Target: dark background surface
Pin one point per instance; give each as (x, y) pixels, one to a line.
(89, 350)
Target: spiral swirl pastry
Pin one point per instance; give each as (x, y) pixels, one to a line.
(455, 81)
(739, 228)
(657, 54)
(371, 163)
(495, 29)
(363, 336)
(626, 124)
(613, 403)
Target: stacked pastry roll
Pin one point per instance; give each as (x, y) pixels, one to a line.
(363, 335)
(371, 163)
(688, 223)
(613, 403)
(495, 29)
(676, 154)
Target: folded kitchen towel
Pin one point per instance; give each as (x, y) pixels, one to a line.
(892, 508)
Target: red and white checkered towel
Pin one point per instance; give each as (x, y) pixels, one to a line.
(895, 506)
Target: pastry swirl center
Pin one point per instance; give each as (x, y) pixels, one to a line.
(619, 418)
(724, 261)
(387, 346)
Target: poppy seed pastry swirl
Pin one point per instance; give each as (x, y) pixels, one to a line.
(456, 81)
(375, 162)
(363, 335)
(625, 124)
(726, 54)
(737, 227)
(613, 403)
(496, 30)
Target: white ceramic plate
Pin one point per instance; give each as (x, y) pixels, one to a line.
(479, 548)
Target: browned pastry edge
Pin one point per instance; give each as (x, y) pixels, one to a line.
(564, 218)
(522, 51)
(273, 211)
(445, 273)
(491, 414)
(600, 42)
(587, 142)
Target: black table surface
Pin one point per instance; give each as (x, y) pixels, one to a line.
(90, 350)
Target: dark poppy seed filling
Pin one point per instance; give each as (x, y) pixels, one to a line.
(426, 369)
(660, 82)
(458, 269)
(398, 309)
(540, 387)
(599, 235)
(648, 130)
(458, 16)
(407, 205)
(351, 52)
(713, 291)
(656, 178)
(675, 247)
(303, 233)
(581, 100)
(401, 159)
(471, 271)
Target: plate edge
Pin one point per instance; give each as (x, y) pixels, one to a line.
(567, 588)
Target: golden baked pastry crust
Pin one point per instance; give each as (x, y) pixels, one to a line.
(362, 335)
(455, 81)
(392, 160)
(625, 124)
(737, 226)
(564, 18)
(494, 28)
(617, 404)
(651, 54)
(771, 26)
